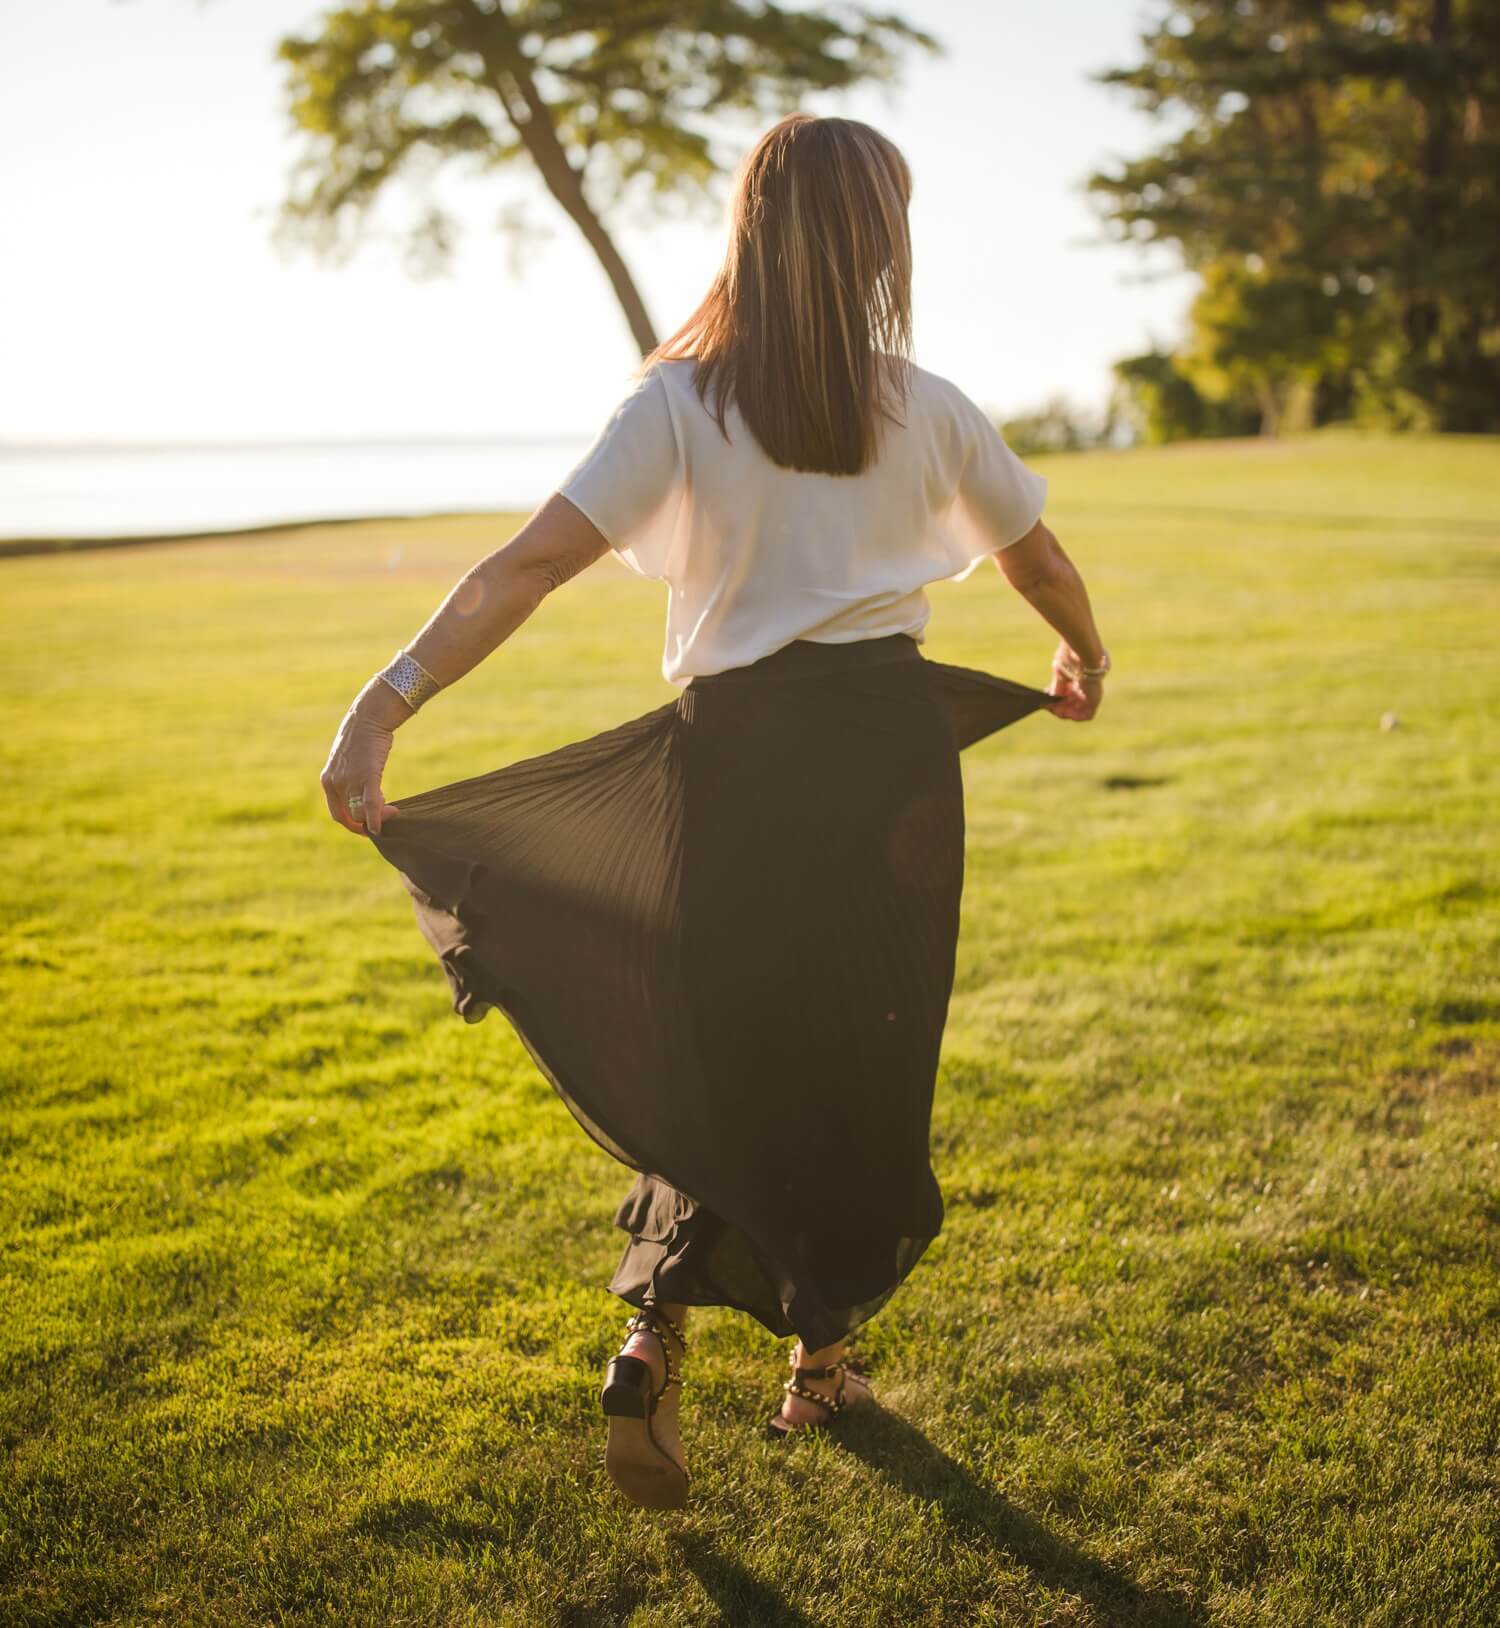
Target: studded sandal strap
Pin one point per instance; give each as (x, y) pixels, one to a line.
(834, 1403)
(649, 1319)
(653, 1310)
(849, 1362)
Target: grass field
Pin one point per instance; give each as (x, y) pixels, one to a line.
(304, 1317)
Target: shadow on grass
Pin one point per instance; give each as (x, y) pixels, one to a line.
(417, 1522)
(888, 1445)
(742, 1598)
(1134, 782)
(978, 1514)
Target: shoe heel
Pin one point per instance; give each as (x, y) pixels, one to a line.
(628, 1389)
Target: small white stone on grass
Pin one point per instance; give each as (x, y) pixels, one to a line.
(1389, 721)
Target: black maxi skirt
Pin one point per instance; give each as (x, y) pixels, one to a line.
(725, 931)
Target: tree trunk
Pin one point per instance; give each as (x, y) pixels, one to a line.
(1270, 406)
(1420, 313)
(510, 69)
(566, 188)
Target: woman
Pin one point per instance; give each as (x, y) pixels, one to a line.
(726, 930)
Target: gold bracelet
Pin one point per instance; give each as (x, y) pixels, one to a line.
(410, 680)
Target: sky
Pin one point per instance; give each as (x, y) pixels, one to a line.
(147, 147)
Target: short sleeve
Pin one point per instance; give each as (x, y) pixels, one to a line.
(627, 482)
(997, 499)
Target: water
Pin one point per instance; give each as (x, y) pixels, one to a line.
(171, 490)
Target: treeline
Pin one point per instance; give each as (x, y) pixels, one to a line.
(1333, 177)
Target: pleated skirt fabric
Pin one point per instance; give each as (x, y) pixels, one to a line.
(725, 931)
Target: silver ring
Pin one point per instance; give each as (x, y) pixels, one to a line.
(356, 801)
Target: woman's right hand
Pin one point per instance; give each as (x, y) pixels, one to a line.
(357, 758)
(355, 767)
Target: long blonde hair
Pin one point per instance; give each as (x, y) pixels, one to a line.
(807, 325)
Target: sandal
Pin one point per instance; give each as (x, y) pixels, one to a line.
(637, 1463)
(777, 1427)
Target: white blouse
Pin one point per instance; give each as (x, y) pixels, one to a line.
(755, 555)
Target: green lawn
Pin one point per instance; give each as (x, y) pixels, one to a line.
(304, 1314)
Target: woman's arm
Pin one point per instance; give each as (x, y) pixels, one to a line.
(1038, 569)
(484, 607)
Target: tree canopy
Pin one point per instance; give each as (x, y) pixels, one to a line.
(1335, 177)
(608, 101)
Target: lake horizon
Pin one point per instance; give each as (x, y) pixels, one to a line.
(97, 488)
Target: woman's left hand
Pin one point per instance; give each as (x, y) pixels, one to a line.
(1076, 699)
(355, 765)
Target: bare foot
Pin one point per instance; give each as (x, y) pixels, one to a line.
(798, 1412)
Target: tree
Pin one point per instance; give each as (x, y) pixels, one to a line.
(1056, 426)
(610, 101)
(1160, 403)
(1272, 337)
(1346, 159)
